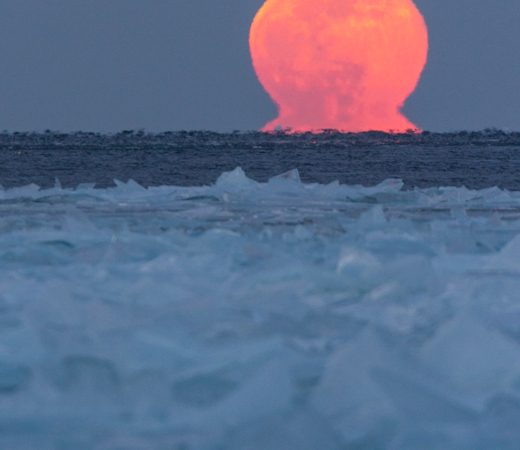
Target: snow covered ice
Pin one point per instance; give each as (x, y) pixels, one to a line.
(269, 316)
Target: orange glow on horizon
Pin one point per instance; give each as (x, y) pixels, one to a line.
(339, 64)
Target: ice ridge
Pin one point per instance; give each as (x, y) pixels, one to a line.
(277, 315)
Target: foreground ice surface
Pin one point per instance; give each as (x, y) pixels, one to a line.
(271, 316)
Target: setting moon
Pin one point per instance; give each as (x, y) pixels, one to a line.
(339, 64)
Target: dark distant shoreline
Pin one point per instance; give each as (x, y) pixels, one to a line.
(488, 137)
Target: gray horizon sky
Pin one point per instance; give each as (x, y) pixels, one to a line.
(108, 65)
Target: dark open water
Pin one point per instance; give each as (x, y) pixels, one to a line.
(476, 160)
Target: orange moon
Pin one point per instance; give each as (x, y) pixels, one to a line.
(339, 64)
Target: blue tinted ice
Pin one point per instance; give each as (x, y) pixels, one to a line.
(269, 316)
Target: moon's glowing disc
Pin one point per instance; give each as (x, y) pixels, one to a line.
(339, 64)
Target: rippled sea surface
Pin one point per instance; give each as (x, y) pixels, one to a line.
(196, 305)
(474, 159)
